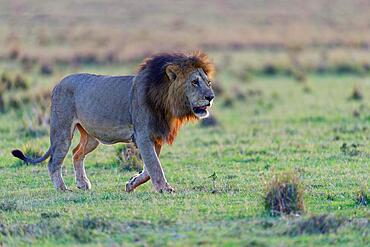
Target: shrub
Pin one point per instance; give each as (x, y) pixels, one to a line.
(6, 80)
(284, 194)
(356, 93)
(362, 198)
(209, 122)
(228, 101)
(46, 69)
(318, 224)
(20, 83)
(29, 151)
(351, 150)
(8, 205)
(129, 158)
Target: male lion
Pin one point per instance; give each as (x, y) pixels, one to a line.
(147, 109)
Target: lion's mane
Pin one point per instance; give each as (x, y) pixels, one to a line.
(166, 99)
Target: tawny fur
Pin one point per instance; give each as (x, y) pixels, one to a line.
(147, 108)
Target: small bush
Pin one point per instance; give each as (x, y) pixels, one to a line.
(228, 102)
(2, 102)
(39, 118)
(20, 82)
(28, 62)
(8, 205)
(284, 194)
(46, 69)
(15, 101)
(356, 93)
(299, 76)
(239, 94)
(210, 121)
(6, 80)
(362, 198)
(49, 215)
(29, 151)
(320, 224)
(17, 82)
(13, 53)
(307, 88)
(349, 68)
(129, 158)
(351, 150)
(88, 228)
(270, 69)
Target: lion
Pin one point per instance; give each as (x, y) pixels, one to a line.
(147, 109)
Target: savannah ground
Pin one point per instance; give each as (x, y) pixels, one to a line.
(286, 105)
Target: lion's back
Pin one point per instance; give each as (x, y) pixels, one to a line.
(94, 98)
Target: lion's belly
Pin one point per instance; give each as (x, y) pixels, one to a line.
(110, 134)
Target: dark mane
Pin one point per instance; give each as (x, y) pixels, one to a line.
(169, 109)
(155, 65)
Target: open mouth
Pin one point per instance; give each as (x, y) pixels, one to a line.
(200, 111)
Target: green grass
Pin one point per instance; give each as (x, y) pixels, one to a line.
(284, 128)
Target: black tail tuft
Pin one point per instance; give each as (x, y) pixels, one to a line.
(18, 153)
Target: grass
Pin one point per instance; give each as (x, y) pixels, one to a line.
(218, 172)
(284, 194)
(293, 95)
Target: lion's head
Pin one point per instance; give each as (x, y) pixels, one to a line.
(178, 88)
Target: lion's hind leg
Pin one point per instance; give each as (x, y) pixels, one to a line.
(60, 143)
(87, 144)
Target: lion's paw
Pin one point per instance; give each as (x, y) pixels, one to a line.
(166, 189)
(129, 186)
(83, 184)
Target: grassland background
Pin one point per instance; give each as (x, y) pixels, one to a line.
(294, 94)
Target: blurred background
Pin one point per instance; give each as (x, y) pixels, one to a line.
(42, 41)
(268, 36)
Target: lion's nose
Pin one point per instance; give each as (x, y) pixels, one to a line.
(210, 98)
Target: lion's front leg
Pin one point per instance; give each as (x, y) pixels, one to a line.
(143, 176)
(148, 151)
(137, 180)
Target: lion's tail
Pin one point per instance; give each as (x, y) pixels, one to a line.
(19, 154)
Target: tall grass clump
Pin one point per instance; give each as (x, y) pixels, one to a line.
(128, 157)
(362, 197)
(29, 151)
(284, 194)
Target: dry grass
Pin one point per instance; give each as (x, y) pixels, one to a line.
(357, 93)
(284, 194)
(8, 205)
(83, 35)
(128, 157)
(29, 151)
(362, 197)
(317, 224)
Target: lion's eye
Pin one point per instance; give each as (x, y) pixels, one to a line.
(195, 83)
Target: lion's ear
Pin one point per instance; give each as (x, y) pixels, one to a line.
(171, 71)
